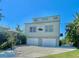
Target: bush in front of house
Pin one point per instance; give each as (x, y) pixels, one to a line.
(20, 39)
(3, 37)
(3, 40)
(6, 40)
(5, 45)
(62, 42)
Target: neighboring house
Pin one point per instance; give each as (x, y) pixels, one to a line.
(2, 28)
(43, 31)
(7, 29)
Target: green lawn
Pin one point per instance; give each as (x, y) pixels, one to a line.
(71, 54)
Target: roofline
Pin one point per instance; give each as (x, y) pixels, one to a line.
(42, 22)
(46, 16)
(45, 21)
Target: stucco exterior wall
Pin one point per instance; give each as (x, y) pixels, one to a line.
(55, 33)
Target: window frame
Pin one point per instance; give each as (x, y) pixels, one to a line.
(48, 28)
(32, 29)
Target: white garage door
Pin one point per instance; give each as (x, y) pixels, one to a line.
(32, 41)
(49, 42)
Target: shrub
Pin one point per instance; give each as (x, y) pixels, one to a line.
(62, 42)
(20, 39)
(7, 39)
(5, 45)
(3, 37)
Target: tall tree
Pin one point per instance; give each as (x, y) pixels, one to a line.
(21, 38)
(18, 28)
(71, 30)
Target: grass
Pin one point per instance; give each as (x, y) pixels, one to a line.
(71, 54)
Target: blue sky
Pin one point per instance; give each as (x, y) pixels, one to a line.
(22, 11)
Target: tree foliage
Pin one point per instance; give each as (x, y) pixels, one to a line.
(3, 37)
(6, 40)
(18, 28)
(71, 30)
(20, 37)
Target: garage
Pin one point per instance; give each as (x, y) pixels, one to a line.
(32, 41)
(49, 42)
(41, 42)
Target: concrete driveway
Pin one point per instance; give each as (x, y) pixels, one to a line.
(35, 51)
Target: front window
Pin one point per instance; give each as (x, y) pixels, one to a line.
(32, 29)
(48, 28)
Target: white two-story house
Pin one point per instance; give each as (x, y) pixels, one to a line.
(43, 31)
